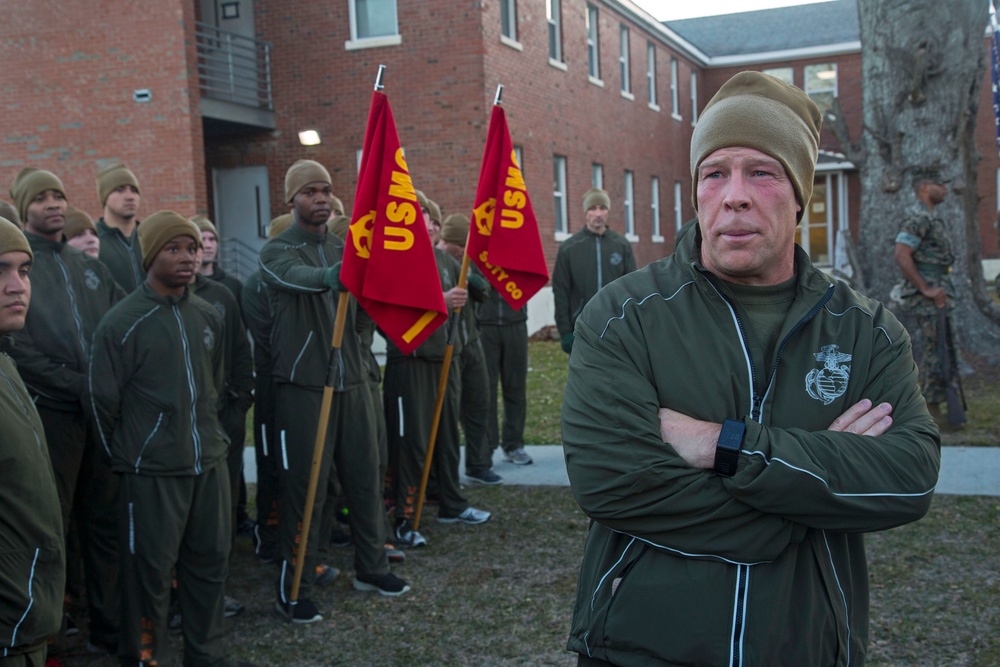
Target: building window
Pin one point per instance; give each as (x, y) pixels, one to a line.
(623, 61)
(654, 204)
(815, 232)
(373, 18)
(593, 44)
(675, 104)
(629, 207)
(821, 84)
(694, 98)
(783, 73)
(651, 73)
(597, 176)
(554, 15)
(508, 19)
(678, 218)
(559, 194)
(519, 156)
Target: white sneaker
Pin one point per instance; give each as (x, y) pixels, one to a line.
(408, 538)
(518, 457)
(470, 516)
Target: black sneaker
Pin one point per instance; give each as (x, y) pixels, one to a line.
(302, 611)
(231, 607)
(69, 625)
(387, 584)
(340, 539)
(486, 477)
(408, 538)
(325, 574)
(394, 555)
(267, 552)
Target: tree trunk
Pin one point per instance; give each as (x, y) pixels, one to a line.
(923, 62)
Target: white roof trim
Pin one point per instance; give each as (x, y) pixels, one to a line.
(834, 166)
(787, 54)
(659, 30)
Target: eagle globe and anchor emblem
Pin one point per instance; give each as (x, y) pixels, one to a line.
(830, 382)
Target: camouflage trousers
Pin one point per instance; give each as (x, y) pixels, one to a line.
(931, 377)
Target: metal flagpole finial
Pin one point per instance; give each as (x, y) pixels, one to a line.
(378, 78)
(496, 98)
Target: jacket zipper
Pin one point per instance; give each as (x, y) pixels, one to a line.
(195, 436)
(600, 272)
(77, 320)
(739, 618)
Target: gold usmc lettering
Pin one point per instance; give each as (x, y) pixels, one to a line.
(503, 278)
(405, 212)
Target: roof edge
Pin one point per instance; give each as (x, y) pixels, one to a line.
(787, 54)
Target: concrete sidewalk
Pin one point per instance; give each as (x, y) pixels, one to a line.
(966, 471)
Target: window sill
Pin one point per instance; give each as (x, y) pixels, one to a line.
(654, 107)
(512, 43)
(558, 64)
(676, 116)
(632, 238)
(595, 81)
(658, 239)
(562, 236)
(373, 42)
(628, 96)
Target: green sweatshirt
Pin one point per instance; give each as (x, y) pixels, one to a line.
(71, 293)
(495, 311)
(683, 566)
(122, 256)
(292, 265)
(156, 378)
(585, 263)
(32, 556)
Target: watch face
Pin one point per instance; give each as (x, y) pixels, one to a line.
(731, 436)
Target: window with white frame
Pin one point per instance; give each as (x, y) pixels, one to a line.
(654, 204)
(597, 176)
(554, 15)
(559, 194)
(694, 98)
(675, 103)
(593, 44)
(786, 74)
(373, 20)
(821, 84)
(623, 60)
(678, 209)
(629, 206)
(508, 19)
(651, 73)
(519, 156)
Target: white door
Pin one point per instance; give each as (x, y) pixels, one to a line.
(242, 212)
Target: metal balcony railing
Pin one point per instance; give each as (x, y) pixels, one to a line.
(237, 258)
(233, 68)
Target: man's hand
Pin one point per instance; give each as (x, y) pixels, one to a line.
(692, 439)
(937, 295)
(695, 440)
(456, 298)
(863, 419)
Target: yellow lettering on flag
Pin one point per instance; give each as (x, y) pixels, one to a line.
(402, 184)
(419, 325)
(404, 212)
(403, 238)
(361, 234)
(511, 219)
(515, 179)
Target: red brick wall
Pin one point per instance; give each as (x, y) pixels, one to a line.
(69, 73)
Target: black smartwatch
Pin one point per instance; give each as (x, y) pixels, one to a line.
(727, 449)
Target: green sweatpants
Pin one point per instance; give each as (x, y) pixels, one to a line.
(409, 395)
(475, 407)
(350, 449)
(506, 352)
(34, 656)
(88, 492)
(167, 523)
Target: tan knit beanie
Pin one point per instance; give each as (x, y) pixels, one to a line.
(338, 206)
(12, 238)
(422, 199)
(77, 222)
(278, 225)
(338, 226)
(301, 174)
(205, 225)
(759, 111)
(112, 177)
(158, 229)
(8, 211)
(28, 183)
(595, 196)
(435, 211)
(455, 229)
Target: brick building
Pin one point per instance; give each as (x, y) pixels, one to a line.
(206, 99)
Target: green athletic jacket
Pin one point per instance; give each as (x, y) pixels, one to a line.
(685, 567)
(585, 263)
(496, 312)
(236, 357)
(156, 378)
(32, 558)
(72, 292)
(122, 256)
(304, 309)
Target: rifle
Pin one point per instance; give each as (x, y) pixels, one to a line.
(954, 394)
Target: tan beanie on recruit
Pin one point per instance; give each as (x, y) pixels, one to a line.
(759, 111)
(8, 211)
(595, 196)
(112, 177)
(435, 211)
(12, 239)
(455, 229)
(338, 226)
(77, 222)
(158, 229)
(338, 206)
(278, 225)
(301, 174)
(205, 225)
(28, 183)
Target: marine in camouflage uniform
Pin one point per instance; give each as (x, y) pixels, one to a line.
(924, 255)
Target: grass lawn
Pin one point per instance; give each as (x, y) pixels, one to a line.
(502, 593)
